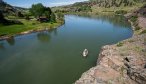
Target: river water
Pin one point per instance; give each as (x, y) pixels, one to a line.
(55, 56)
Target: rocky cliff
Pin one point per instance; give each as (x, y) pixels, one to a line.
(121, 63)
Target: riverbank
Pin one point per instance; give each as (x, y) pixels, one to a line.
(27, 27)
(121, 63)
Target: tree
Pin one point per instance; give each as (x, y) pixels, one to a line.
(48, 9)
(47, 12)
(60, 15)
(2, 19)
(19, 14)
(53, 17)
(37, 9)
(27, 15)
(1, 16)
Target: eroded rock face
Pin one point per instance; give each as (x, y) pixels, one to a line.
(110, 69)
(119, 65)
(142, 22)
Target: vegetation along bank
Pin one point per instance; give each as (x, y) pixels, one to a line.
(17, 21)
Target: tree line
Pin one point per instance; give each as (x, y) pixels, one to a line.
(38, 11)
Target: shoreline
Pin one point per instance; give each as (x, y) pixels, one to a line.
(27, 32)
(123, 64)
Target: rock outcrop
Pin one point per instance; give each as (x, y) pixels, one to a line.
(119, 65)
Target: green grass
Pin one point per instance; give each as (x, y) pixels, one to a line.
(27, 25)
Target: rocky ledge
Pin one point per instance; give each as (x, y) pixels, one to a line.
(121, 63)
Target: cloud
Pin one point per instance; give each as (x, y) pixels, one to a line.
(64, 3)
(49, 3)
(60, 3)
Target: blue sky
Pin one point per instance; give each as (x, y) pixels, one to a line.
(50, 3)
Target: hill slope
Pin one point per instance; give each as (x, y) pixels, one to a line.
(116, 3)
(102, 5)
(9, 9)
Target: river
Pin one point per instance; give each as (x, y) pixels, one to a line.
(55, 56)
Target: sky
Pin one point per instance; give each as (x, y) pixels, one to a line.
(49, 3)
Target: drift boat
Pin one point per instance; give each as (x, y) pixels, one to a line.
(85, 53)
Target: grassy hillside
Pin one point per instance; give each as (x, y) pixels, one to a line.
(102, 6)
(115, 3)
(8, 9)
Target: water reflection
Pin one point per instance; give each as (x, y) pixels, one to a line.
(11, 41)
(44, 36)
(116, 20)
(2, 46)
(53, 31)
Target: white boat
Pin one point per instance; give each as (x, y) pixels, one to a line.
(85, 52)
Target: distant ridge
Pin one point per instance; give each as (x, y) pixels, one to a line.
(115, 3)
(1, 1)
(4, 6)
(9, 9)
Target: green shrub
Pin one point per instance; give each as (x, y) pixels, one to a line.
(133, 18)
(145, 41)
(137, 28)
(120, 12)
(120, 44)
(27, 17)
(131, 41)
(97, 13)
(53, 18)
(144, 31)
(33, 23)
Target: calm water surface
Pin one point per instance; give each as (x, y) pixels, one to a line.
(55, 56)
